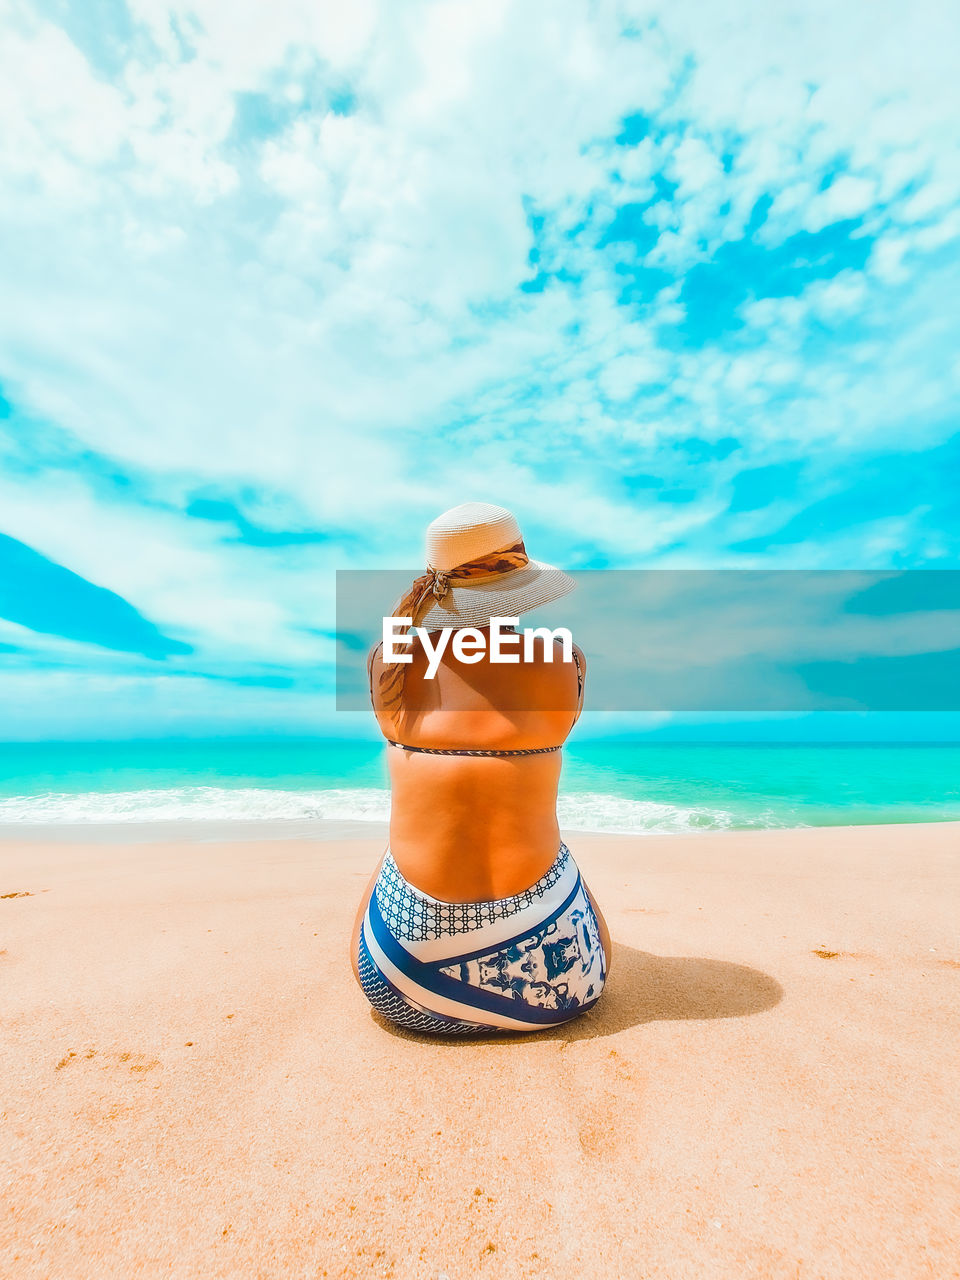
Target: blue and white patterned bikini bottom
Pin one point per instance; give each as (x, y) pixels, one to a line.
(522, 963)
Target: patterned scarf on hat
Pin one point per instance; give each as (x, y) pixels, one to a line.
(418, 600)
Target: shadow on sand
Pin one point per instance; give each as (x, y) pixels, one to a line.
(645, 988)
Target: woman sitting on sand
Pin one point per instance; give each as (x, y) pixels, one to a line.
(477, 918)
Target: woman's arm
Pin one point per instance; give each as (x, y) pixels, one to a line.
(361, 912)
(604, 931)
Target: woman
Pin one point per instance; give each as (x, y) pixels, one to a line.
(477, 919)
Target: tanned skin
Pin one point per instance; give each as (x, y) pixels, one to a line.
(470, 829)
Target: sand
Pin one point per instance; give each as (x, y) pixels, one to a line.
(192, 1086)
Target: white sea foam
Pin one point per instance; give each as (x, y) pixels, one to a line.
(193, 804)
(577, 811)
(594, 811)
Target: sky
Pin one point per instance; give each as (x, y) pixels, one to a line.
(677, 283)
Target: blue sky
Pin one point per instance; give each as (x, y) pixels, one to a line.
(678, 283)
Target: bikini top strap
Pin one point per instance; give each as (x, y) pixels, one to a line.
(475, 751)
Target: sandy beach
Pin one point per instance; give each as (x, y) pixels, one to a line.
(192, 1085)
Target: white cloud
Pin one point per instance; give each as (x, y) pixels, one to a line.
(846, 197)
(242, 40)
(622, 377)
(232, 602)
(842, 295)
(60, 121)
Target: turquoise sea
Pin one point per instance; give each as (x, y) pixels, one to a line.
(606, 786)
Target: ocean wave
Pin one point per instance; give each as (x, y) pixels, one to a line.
(594, 811)
(577, 811)
(198, 804)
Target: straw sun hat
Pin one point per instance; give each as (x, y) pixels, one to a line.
(478, 569)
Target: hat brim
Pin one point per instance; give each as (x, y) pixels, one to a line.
(506, 596)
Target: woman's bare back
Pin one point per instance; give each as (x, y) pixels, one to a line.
(475, 828)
